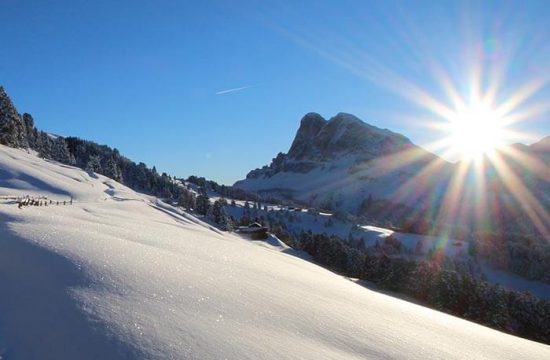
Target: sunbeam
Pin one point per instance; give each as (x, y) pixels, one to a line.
(469, 104)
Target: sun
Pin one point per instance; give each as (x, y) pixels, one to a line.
(475, 130)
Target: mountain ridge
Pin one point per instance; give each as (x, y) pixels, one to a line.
(343, 146)
(321, 139)
(345, 164)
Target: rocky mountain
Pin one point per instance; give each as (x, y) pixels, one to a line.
(341, 162)
(346, 164)
(321, 140)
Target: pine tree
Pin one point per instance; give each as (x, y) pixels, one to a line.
(218, 214)
(32, 132)
(12, 129)
(498, 315)
(203, 202)
(94, 164)
(44, 146)
(186, 199)
(60, 152)
(112, 170)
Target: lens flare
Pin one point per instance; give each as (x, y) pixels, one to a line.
(475, 131)
(469, 99)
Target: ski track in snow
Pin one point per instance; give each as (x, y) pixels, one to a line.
(116, 279)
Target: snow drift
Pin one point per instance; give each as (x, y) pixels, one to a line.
(121, 275)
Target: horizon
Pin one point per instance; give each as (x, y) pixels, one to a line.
(144, 82)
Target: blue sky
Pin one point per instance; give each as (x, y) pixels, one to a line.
(150, 77)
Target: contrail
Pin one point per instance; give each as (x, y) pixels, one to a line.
(233, 90)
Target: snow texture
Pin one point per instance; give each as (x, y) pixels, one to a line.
(120, 275)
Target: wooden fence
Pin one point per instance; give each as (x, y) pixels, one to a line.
(25, 201)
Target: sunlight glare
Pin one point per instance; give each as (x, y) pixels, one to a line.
(475, 130)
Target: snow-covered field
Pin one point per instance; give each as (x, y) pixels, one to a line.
(451, 247)
(122, 275)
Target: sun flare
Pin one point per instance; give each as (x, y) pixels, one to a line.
(475, 130)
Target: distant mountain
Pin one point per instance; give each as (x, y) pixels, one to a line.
(339, 163)
(321, 140)
(346, 164)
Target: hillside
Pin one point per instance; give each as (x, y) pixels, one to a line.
(123, 275)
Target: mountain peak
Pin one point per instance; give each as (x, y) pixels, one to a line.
(335, 162)
(312, 117)
(320, 143)
(320, 140)
(343, 117)
(310, 125)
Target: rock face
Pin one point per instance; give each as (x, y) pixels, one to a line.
(321, 140)
(13, 131)
(340, 162)
(310, 126)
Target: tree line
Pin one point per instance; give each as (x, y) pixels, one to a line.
(19, 131)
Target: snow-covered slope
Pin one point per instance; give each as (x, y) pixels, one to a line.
(122, 275)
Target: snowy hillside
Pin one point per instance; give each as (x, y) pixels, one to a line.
(121, 275)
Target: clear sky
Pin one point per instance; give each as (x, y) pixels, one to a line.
(217, 88)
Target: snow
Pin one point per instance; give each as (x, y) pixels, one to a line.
(122, 275)
(273, 243)
(516, 282)
(450, 247)
(378, 231)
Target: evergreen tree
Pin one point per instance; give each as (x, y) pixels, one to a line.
(44, 145)
(219, 216)
(187, 199)
(497, 316)
(60, 152)
(112, 170)
(366, 206)
(32, 132)
(203, 202)
(12, 129)
(94, 164)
